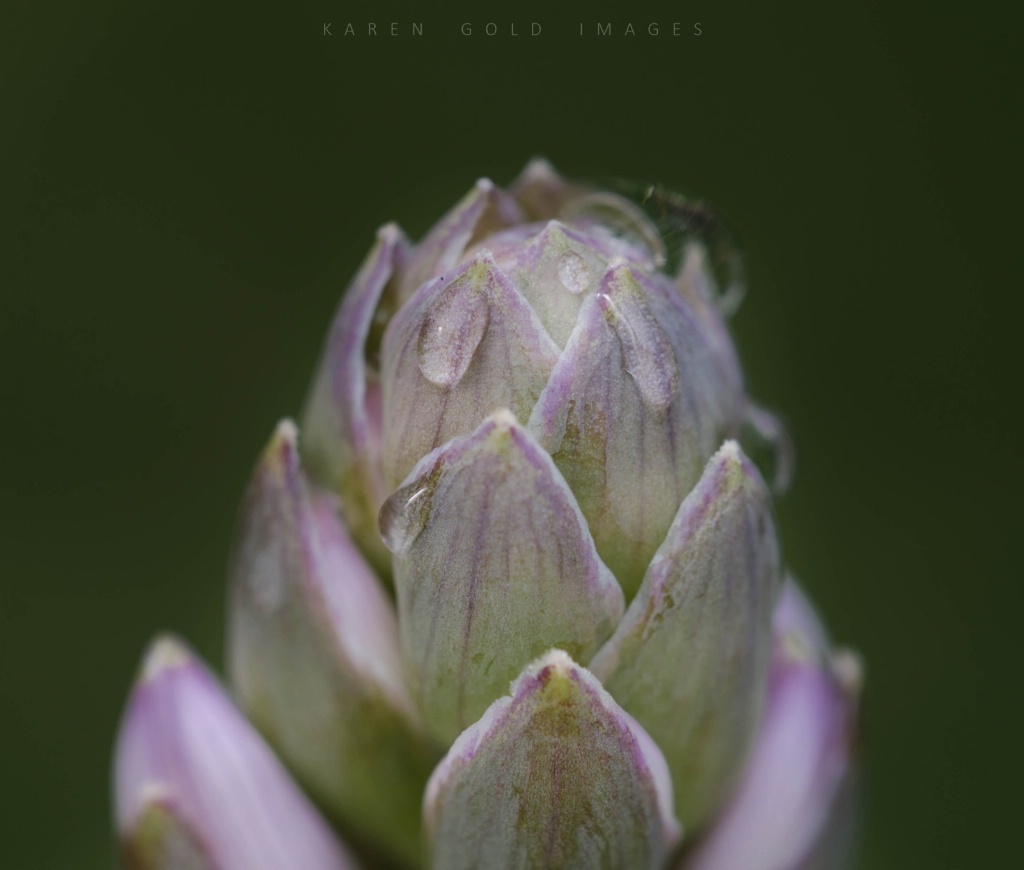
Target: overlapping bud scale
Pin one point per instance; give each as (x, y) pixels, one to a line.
(518, 466)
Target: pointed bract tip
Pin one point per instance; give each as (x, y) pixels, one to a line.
(551, 669)
(389, 232)
(165, 652)
(730, 452)
(848, 669)
(483, 260)
(504, 420)
(484, 185)
(735, 464)
(282, 448)
(286, 432)
(539, 167)
(538, 172)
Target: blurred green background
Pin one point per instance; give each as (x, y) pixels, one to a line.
(186, 192)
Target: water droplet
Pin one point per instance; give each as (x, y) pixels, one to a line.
(622, 218)
(767, 441)
(649, 357)
(404, 515)
(573, 273)
(453, 328)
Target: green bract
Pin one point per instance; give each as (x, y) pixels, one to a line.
(511, 596)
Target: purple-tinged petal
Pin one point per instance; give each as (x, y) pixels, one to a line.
(193, 781)
(314, 655)
(557, 775)
(797, 624)
(836, 845)
(711, 375)
(541, 191)
(797, 793)
(690, 658)
(481, 212)
(462, 347)
(620, 420)
(341, 422)
(493, 565)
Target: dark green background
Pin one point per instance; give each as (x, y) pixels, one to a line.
(185, 194)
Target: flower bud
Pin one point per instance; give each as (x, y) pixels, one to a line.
(797, 782)
(493, 565)
(557, 775)
(342, 419)
(690, 657)
(629, 385)
(313, 654)
(196, 788)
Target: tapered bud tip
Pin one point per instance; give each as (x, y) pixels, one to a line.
(734, 468)
(167, 651)
(484, 185)
(555, 775)
(731, 456)
(552, 673)
(730, 452)
(539, 169)
(285, 439)
(848, 669)
(389, 233)
(482, 264)
(504, 420)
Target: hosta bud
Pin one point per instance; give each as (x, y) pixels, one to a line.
(196, 788)
(793, 786)
(342, 420)
(493, 565)
(568, 323)
(556, 775)
(524, 468)
(313, 654)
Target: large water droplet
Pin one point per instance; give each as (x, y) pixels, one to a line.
(404, 515)
(573, 273)
(767, 441)
(452, 329)
(622, 218)
(649, 357)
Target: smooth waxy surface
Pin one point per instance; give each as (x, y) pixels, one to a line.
(195, 783)
(555, 776)
(493, 565)
(690, 657)
(314, 656)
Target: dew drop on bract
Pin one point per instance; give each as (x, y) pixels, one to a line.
(573, 273)
(404, 515)
(767, 441)
(648, 355)
(452, 329)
